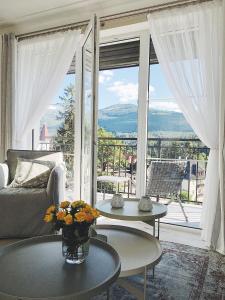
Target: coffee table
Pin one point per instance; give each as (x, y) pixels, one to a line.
(137, 250)
(35, 269)
(130, 212)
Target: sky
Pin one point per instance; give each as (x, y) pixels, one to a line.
(120, 86)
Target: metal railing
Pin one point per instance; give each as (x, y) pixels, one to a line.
(117, 157)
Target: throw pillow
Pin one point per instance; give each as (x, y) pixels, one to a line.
(32, 173)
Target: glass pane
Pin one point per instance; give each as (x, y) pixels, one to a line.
(87, 119)
(172, 140)
(117, 124)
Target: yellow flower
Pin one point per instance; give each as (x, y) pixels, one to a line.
(48, 218)
(51, 209)
(65, 204)
(77, 203)
(95, 213)
(68, 219)
(60, 215)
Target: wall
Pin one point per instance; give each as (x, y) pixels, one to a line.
(76, 13)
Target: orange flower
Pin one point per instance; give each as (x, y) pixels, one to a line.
(60, 215)
(48, 218)
(83, 216)
(51, 209)
(65, 204)
(87, 209)
(68, 219)
(80, 216)
(89, 218)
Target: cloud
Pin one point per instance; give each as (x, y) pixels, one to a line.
(164, 104)
(53, 106)
(126, 92)
(105, 76)
(151, 89)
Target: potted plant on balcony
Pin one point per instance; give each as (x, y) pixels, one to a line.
(75, 219)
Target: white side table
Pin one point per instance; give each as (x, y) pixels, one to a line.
(130, 212)
(115, 180)
(137, 251)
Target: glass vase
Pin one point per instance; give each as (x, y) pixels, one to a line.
(75, 244)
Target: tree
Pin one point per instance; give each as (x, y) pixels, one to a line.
(111, 153)
(64, 139)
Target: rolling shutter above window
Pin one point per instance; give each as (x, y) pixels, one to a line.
(120, 55)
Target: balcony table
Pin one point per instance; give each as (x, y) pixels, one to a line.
(130, 212)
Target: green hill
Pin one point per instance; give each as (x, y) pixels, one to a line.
(123, 118)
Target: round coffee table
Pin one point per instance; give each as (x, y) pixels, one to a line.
(130, 212)
(137, 249)
(35, 269)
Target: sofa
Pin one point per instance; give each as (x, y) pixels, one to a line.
(22, 209)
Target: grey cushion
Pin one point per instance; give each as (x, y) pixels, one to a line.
(22, 211)
(32, 173)
(12, 156)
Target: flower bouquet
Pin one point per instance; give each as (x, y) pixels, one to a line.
(75, 219)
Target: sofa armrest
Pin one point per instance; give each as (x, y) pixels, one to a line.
(56, 185)
(4, 175)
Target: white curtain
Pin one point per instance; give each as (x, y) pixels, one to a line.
(189, 46)
(7, 91)
(42, 65)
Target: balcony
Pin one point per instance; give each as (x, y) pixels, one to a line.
(117, 157)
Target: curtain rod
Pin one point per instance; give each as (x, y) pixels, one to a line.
(82, 25)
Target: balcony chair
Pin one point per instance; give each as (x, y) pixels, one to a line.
(165, 179)
(22, 209)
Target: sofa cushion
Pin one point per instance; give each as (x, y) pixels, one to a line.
(22, 211)
(12, 156)
(32, 173)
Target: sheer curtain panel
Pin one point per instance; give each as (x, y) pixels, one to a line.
(189, 43)
(7, 90)
(42, 64)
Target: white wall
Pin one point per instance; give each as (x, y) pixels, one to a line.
(79, 11)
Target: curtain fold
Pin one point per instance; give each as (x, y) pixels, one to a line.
(42, 65)
(189, 43)
(7, 91)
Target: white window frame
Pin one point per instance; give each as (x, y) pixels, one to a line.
(138, 31)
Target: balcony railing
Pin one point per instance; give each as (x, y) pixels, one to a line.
(117, 157)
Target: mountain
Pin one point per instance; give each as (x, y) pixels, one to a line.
(123, 118)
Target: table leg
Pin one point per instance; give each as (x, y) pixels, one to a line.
(128, 187)
(154, 228)
(108, 294)
(145, 283)
(158, 228)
